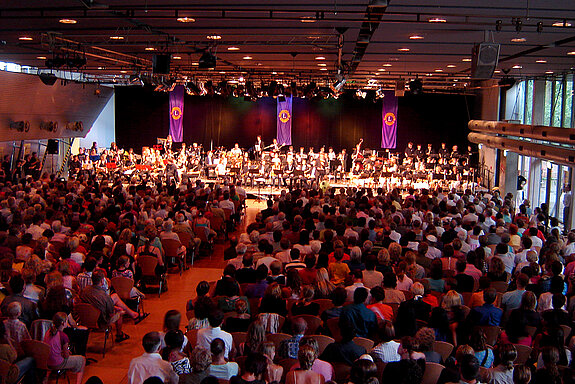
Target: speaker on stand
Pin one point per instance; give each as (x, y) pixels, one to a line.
(52, 148)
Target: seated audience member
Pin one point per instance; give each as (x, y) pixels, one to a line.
(305, 305)
(220, 367)
(172, 352)
(425, 338)
(16, 330)
(387, 349)
(410, 359)
(338, 298)
(240, 321)
(272, 301)
(276, 275)
(548, 372)
(289, 348)
(246, 274)
(502, 373)
(370, 277)
(150, 364)
(60, 357)
(214, 331)
(319, 366)
(257, 289)
(464, 282)
(172, 321)
(469, 369)
(323, 286)
(358, 316)
(28, 307)
(344, 351)
(356, 277)
(231, 294)
(486, 314)
(382, 311)
(338, 270)
(255, 337)
(308, 274)
(254, 370)
(410, 311)
(484, 354)
(274, 372)
(200, 361)
(392, 295)
(512, 300)
(306, 357)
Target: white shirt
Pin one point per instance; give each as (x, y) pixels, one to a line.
(206, 335)
(149, 365)
(351, 290)
(387, 352)
(227, 204)
(36, 231)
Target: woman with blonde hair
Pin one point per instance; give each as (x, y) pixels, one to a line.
(274, 372)
(394, 252)
(255, 338)
(323, 286)
(124, 239)
(451, 303)
(383, 261)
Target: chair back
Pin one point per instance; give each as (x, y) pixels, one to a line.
(185, 238)
(39, 350)
(148, 265)
(254, 305)
(408, 294)
(171, 247)
(286, 364)
(239, 338)
(523, 353)
(8, 372)
(272, 322)
(227, 213)
(380, 368)
(443, 348)
(395, 307)
(363, 342)
(341, 372)
(566, 331)
(87, 315)
(465, 309)
(432, 372)
(123, 286)
(466, 297)
(313, 323)
(491, 333)
(39, 328)
(323, 304)
(192, 336)
(500, 286)
(201, 234)
(333, 326)
(217, 223)
(322, 341)
(277, 338)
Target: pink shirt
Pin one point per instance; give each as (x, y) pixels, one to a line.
(319, 366)
(56, 344)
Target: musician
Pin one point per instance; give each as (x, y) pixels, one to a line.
(455, 152)
(258, 147)
(357, 151)
(419, 153)
(443, 151)
(332, 160)
(310, 155)
(33, 166)
(168, 144)
(82, 154)
(114, 148)
(275, 146)
(289, 168)
(276, 169)
(210, 158)
(301, 155)
(409, 152)
(342, 157)
(236, 150)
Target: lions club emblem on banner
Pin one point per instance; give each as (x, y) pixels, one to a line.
(389, 118)
(176, 113)
(284, 116)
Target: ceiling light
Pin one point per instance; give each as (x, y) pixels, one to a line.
(437, 20)
(381, 70)
(213, 37)
(196, 63)
(177, 57)
(517, 67)
(116, 37)
(451, 66)
(123, 71)
(439, 70)
(415, 37)
(563, 23)
(274, 73)
(41, 57)
(387, 65)
(308, 19)
(571, 53)
(67, 21)
(541, 61)
(549, 72)
(320, 58)
(222, 73)
(497, 71)
(519, 40)
(403, 49)
(25, 38)
(101, 68)
(321, 64)
(233, 49)
(150, 49)
(323, 69)
(247, 57)
(466, 60)
(186, 19)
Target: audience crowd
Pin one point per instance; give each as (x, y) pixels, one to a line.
(341, 285)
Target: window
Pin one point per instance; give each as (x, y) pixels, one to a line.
(528, 115)
(557, 106)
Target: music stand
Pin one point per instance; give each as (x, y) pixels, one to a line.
(253, 173)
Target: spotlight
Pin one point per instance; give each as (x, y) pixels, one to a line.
(498, 25)
(339, 84)
(416, 86)
(360, 94)
(192, 88)
(518, 24)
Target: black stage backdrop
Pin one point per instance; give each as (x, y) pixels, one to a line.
(142, 116)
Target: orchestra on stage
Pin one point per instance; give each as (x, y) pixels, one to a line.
(283, 166)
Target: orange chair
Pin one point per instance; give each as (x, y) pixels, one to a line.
(172, 251)
(322, 341)
(313, 323)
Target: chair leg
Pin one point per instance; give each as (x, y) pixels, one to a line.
(160, 292)
(105, 341)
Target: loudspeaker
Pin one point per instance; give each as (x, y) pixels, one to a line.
(52, 147)
(399, 88)
(161, 64)
(48, 78)
(484, 60)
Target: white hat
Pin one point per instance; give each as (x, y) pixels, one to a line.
(366, 357)
(431, 238)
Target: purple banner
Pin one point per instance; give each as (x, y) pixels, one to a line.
(284, 112)
(389, 121)
(177, 114)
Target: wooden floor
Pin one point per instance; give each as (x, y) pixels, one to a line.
(113, 368)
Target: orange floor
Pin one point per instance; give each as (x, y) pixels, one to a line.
(113, 368)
